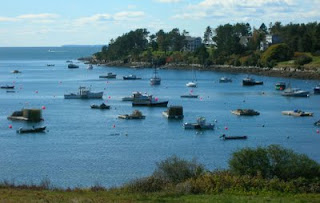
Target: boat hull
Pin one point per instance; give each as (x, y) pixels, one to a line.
(302, 94)
(197, 126)
(251, 83)
(155, 81)
(32, 130)
(150, 104)
(97, 95)
(189, 96)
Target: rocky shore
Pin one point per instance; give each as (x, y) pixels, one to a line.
(288, 72)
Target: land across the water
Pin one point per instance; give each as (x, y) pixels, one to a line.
(278, 71)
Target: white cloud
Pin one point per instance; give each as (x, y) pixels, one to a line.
(42, 17)
(120, 16)
(238, 10)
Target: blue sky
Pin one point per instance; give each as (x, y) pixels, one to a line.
(58, 22)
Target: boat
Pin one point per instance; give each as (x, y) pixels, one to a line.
(295, 92)
(155, 79)
(193, 83)
(101, 106)
(10, 91)
(15, 71)
(245, 112)
(280, 86)
(297, 112)
(174, 112)
(136, 114)
(189, 96)
(7, 87)
(251, 82)
(32, 130)
(131, 77)
(84, 93)
(109, 76)
(316, 90)
(199, 125)
(151, 102)
(90, 67)
(224, 137)
(137, 96)
(69, 61)
(72, 66)
(225, 80)
(50, 64)
(317, 123)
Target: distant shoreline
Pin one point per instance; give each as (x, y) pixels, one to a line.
(286, 72)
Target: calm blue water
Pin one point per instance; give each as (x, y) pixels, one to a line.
(79, 149)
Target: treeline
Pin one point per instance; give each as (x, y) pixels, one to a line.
(237, 44)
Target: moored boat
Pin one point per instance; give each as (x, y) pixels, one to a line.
(317, 123)
(298, 113)
(225, 80)
(50, 65)
(90, 67)
(280, 86)
(31, 130)
(109, 76)
(199, 125)
(84, 93)
(150, 102)
(101, 106)
(72, 66)
(189, 96)
(7, 87)
(316, 90)
(245, 112)
(137, 96)
(251, 82)
(16, 71)
(155, 79)
(131, 77)
(191, 84)
(224, 137)
(295, 92)
(136, 114)
(174, 112)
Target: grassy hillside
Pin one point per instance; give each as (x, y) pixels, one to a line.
(315, 63)
(27, 195)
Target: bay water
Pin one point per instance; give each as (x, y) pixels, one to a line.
(83, 147)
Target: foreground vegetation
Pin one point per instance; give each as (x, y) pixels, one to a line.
(237, 45)
(263, 174)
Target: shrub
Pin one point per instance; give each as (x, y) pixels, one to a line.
(148, 184)
(277, 53)
(273, 161)
(301, 60)
(176, 170)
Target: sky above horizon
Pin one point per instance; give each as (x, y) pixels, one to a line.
(60, 22)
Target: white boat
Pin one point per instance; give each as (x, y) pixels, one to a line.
(131, 77)
(137, 96)
(191, 84)
(199, 125)
(155, 79)
(90, 67)
(194, 80)
(295, 92)
(297, 113)
(225, 80)
(84, 93)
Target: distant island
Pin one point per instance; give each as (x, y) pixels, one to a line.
(74, 45)
(291, 50)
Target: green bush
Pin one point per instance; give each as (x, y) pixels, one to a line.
(273, 161)
(301, 60)
(176, 170)
(277, 53)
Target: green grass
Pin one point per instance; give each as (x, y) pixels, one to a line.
(314, 64)
(27, 195)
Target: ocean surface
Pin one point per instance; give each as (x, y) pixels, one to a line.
(83, 147)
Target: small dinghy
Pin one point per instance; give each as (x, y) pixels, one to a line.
(31, 130)
(224, 137)
(101, 106)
